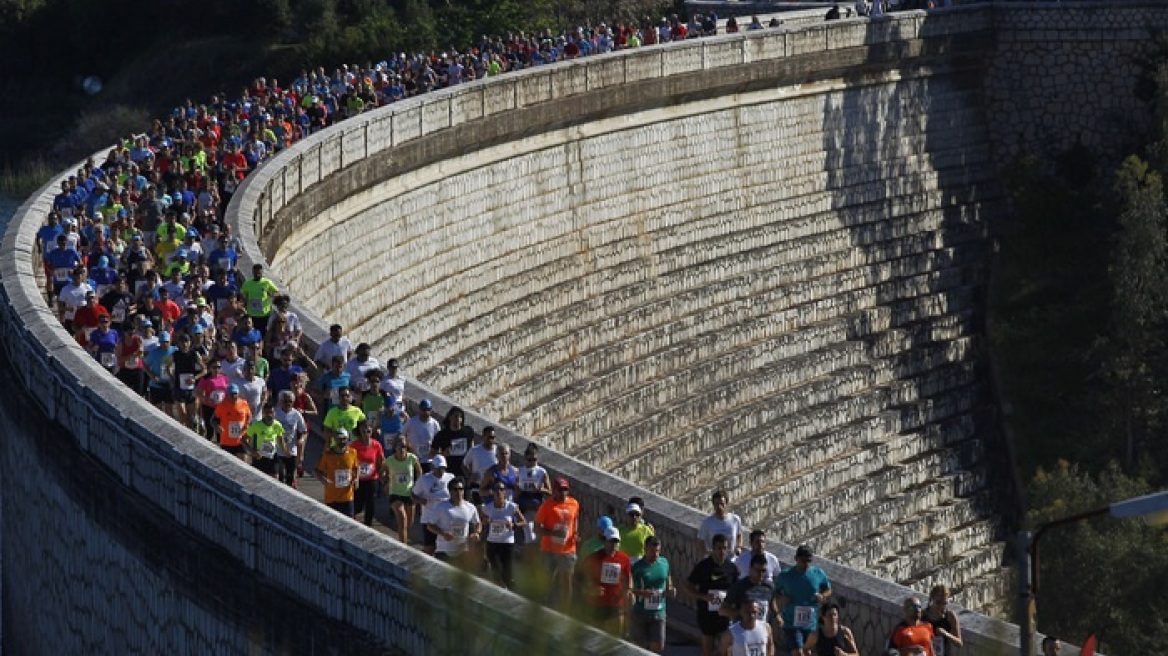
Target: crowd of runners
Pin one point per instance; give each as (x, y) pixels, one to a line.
(142, 270)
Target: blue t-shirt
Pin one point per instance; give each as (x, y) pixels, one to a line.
(154, 360)
(800, 589)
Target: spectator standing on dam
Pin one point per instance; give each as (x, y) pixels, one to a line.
(801, 590)
(723, 522)
(757, 546)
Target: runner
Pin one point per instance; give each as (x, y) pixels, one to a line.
(455, 525)
(606, 583)
(402, 469)
(652, 585)
(370, 459)
(263, 440)
(556, 526)
(338, 470)
(501, 517)
(429, 490)
(749, 636)
(801, 589)
(708, 584)
(291, 455)
(234, 415)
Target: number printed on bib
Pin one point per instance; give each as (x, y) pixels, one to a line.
(756, 649)
(109, 360)
(186, 381)
(805, 617)
(217, 397)
(343, 478)
(716, 603)
(268, 449)
(403, 478)
(458, 447)
(654, 600)
(560, 534)
(610, 573)
(498, 528)
(256, 305)
(366, 469)
(235, 429)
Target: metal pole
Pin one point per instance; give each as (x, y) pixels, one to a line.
(1026, 609)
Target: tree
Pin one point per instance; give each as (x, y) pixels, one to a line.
(1134, 356)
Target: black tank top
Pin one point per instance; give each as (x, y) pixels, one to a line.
(825, 646)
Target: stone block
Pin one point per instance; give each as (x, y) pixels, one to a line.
(571, 79)
(353, 144)
(467, 104)
(435, 114)
(406, 122)
(533, 87)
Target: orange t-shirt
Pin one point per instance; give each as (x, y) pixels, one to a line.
(341, 472)
(234, 419)
(554, 514)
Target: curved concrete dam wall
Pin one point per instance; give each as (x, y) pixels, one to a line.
(130, 535)
(750, 264)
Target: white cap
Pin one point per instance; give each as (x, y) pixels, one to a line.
(612, 533)
(632, 508)
(438, 461)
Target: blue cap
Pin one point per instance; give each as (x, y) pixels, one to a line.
(605, 523)
(197, 329)
(425, 404)
(102, 261)
(233, 389)
(146, 323)
(191, 232)
(164, 336)
(295, 369)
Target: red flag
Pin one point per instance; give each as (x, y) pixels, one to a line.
(1088, 646)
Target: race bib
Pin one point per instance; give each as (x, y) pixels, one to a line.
(654, 601)
(133, 362)
(610, 573)
(186, 381)
(805, 617)
(225, 263)
(335, 396)
(255, 305)
(715, 604)
(343, 478)
(755, 649)
(529, 486)
(217, 397)
(458, 447)
(61, 275)
(498, 528)
(459, 528)
(366, 469)
(268, 449)
(556, 537)
(403, 478)
(119, 314)
(235, 429)
(109, 360)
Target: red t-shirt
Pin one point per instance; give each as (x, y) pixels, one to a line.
(369, 459)
(919, 635)
(609, 573)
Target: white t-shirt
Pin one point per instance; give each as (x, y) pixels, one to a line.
(532, 480)
(328, 349)
(731, 527)
(357, 371)
(477, 461)
(749, 642)
(457, 520)
(395, 386)
(497, 519)
(433, 490)
(419, 434)
(253, 392)
(742, 562)
(294, 426)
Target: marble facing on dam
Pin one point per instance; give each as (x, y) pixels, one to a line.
(150, 481)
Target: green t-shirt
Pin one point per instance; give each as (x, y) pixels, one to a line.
(262, 367)
(401, 474)
(654, 577)
(346, 419)
(633, 539)
(265, 438)
(258, 295)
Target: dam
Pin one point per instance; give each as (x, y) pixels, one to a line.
(754, 262)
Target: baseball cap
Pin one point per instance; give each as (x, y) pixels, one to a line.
(146, 323)
(632, 508)
(438, 461)
(233, 389)
(561, 483)
(197, 329)
(605, 523)
(425, 404)
(612, 533)
(164, 336)
(341, 433)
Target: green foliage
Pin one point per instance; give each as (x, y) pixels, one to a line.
(1102, 576)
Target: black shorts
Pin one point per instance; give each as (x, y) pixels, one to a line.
(266, 465)
(234, 450)
(429, 538)
(712, 624)
(160, 394)
(405, 500)
(184, 396)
